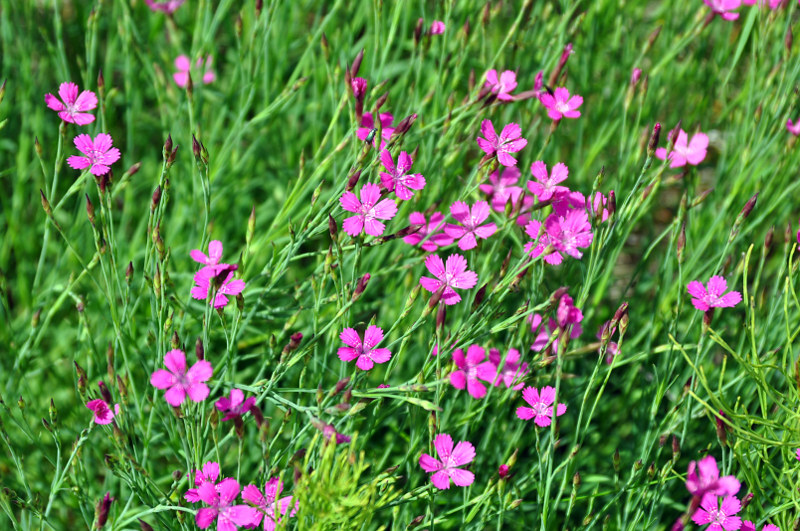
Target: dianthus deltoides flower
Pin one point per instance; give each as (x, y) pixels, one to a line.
(184, 66)
(512, 371)
(103, 414)
(561, 105)
(502, 85)
(269, 506)
(446, 467)
(214, 273)
(453, 274)
(509, 141)
(470, 220)
(705, 299)
(428, 233)
(98, 154)
(368, 211)
(724, 8)
(472, 368)
(167, 6)
(220, 499)
(685, 151)
(72, 106)
(396, 177)
(541, 409)
(236, 405)
(703, 480)
(719, 516)
(180, 382)
(209, 473)
(365, 353)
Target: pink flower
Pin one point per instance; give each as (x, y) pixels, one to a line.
(798, 232)
(179, 382)
(502, 471)
(560, 104)
(503, 188)
(220, 499)
(545, 186)
(184, 65)
(541, 242)
(798, 454)
(708, 484)
(446, 467)
(203, 282)
(684, 151)
(793, 128)
(429, 233)
(541, 409)
(328, 431)
(368, 211)
(724, 9)
(214, 254)
(102, 411)
(367, 125)
(719, 517)
(569, 233)
(397, 179)
(168, 6)
(236, 405)
(454, 274)
(563, 202)
(512, 371)
(596, 206)
(503, 86)
(470, 369)
(99, 154)
(72, 107)
(437, 27)
(209, 474)
(359, 86)
(269, 504)
(713, 296)
(612, 349)
(773, 4)
(365, 353)
(510, 141)
(771, 527)
(470, 220)
(568, 315)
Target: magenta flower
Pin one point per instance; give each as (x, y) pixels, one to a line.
(203, 282)
(453, 274)
(359, 86)
(502, 86)
(508, 142)
(564, 202)
(328, 431)
(503, 188)
(179, 382)
(236, 405)
(368, 211)
(214, 254)
(269, 506)
(368, 124)
(713, 297)
(724, 8)
(365, 354)
(561, 105)
(568, 234)
(512, 371)
(99, 154)
(703, 480)
(168, 6)
(446, 467)
(793, 128)
(220, 500)
(693, 152)
(471, 227)
(102, 411)
(184, 65)
(397, 179)
(541, 243)
(720, 517)
(798, 454)
(546, 185)
(567, 314)
(209, 474)
(72, 107)
(773, 4)
(798, 232)
(472, 368)
(541, 409)
(437, 27)
(428, 233)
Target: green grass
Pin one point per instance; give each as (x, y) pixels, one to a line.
(278, 126)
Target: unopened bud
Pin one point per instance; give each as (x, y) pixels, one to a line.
(352, 181)
(144, 525)
(635, 76)
(681, 244)
(746, 210)
(747, 499)
(418, 31)
(768, 239)
(129, 273)
(101, 510)
(332, 228)
(616, 460)
(357, 63)
(361, 286)
(651, 146)
(167, 146)
(90, 210)
(676, 448)
(105, 393)
(196, 148)
(156, 198)
(787, 42)
(380, 101)
(441, 316)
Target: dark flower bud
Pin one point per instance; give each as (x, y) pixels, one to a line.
(156, 198)
(332, 228)
(101, 510)
(352, 181)
(105, 393)
(196, 148)
(199, 351)
(129, 273)
(681, 244)
(167, 146)
(361, 286)
(381, 100)
(357, 63)
(144, 525)
(651, 146)
(90, 210)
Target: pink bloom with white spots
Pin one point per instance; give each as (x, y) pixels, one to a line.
(429, 233)
(184, 66)
(220, 499)
(446, 467)
(397, 179)
(72, 106)
(368, 211)
(544, 185)
(684, 151)
(509, 141)
(449, 277)
(512, 371)
(502, 85)
(724, 8)
(719, 517)
(569, 233)
(180, 382)
(471, 369)
(98, 154)
(103, 414)
(541, 409)
(561, 105)
(713, 297)
(541, 243)
(470, 227)
(365, 354)
(503, 188)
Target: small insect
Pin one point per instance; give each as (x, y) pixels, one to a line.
(371, 136)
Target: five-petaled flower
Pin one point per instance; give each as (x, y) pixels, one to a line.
(541, 409)
(365, 353)
(470, 227)
(269, 506)
(103, 414)
(368, 124)
(712, 296)
(446, 467)
(213, 257)
(398, 180)
(99, 154)
(236, 405)
(472, 368)
(220, 499)
(213, 273)
(503, 85)
(72, 106)
(685, 151)
(437, 27)
(427, 233)
(719, 516)
(702, 480)
(569, 233)
(179, 382)
(368, 211)
(209, 473)
(560, 104)
(453, 274)
(724, 8)
(184, 66)
(508, 142)
(503, 188)
(511, 371)
(546, 185)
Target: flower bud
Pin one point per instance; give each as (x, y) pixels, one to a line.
(156, 198)
(651, 146)
(129, 273)
(101, 510)
(352, 181)
(332, 228)
(144, 525)
(357, 63)
(105, 393)
(361, 286)
(110, 361)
